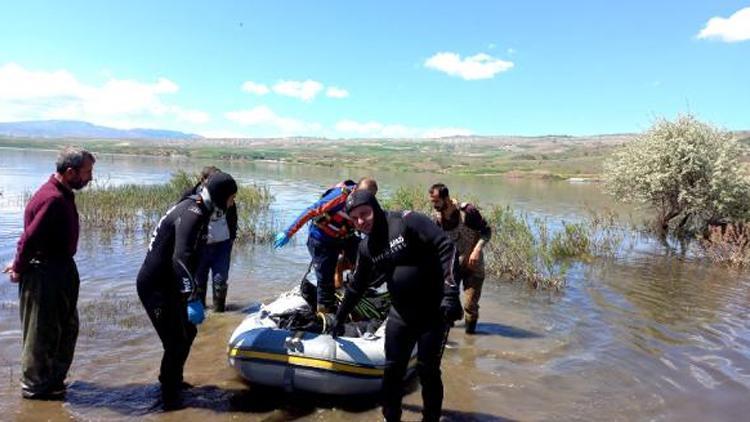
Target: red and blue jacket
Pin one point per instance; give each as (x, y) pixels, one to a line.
(330, 222)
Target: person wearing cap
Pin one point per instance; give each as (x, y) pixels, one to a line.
(48, 277)
(217, 254)
(418, 262)
(469, 231)
(166, 281)
(331, 234)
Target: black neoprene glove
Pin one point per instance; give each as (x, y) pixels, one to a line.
(347, 304)
(337, 328)
(451, 306)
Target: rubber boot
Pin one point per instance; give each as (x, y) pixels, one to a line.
(470, 326)
(220, 298)
(171, 398)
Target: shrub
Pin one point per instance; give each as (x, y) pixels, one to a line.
(687, 171)
(408, 198)
(516, 254)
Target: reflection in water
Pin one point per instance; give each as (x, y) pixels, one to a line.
(646, 335)
(141, 399)
(491, 328)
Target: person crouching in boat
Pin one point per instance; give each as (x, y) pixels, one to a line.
(166, 281)
(418, 262)
(331, 233)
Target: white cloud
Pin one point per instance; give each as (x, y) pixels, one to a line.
(264, 117)
(336, 92)
(374, 129)
(733, 29)
(34, 95)
(18, 83)
(479, 66)
(255, 88)
(305, 91)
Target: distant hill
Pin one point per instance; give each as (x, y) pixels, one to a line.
(78, 129)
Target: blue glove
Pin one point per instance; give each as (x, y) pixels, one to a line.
(281, 240)
(195, 311)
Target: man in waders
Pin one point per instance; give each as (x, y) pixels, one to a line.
(417, 261)
(166, 281)
(331, 234)
(48, 277)
(466, 227)
(217, 254)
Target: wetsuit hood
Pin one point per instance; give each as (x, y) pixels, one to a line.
(220, 187)
(364, 197)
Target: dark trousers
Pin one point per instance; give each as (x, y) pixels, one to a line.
(168, 313)
(472, 283)
(215, 258)
(400, 339)
(48, 296)
(325, 255)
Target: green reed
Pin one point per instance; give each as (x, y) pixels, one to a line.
(530, 251)
(136, 209)
(408, 198)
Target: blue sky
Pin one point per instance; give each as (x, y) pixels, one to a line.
(344, 69)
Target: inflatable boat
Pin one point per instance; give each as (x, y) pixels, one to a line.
(265, 354)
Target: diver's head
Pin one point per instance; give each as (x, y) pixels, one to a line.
(222, 188)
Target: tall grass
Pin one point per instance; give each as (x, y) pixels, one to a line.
(412, 198)
(136, 209)
(525, 251)
(529, 250)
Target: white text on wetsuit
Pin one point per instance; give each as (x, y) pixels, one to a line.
(395, 245)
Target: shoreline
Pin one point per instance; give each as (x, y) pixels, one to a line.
(542, 161)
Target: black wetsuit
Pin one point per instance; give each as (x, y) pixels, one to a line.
(165, 282)
(418, 262)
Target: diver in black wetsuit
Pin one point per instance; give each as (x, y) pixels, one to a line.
(418, 262)
(166, 284)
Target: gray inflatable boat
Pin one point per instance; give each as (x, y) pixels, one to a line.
(265, 354)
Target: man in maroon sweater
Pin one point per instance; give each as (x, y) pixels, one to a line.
(48, 277)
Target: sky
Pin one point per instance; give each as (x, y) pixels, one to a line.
(396, 69)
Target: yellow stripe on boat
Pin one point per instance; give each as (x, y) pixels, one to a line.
(310, 362)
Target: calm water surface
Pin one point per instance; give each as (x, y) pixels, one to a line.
(645, 336)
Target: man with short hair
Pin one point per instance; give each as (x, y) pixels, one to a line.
(48, 277)
(463, 224)
(369, 184)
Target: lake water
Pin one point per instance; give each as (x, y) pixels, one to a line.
(648, 335)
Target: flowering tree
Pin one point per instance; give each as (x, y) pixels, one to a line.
(687, 171)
